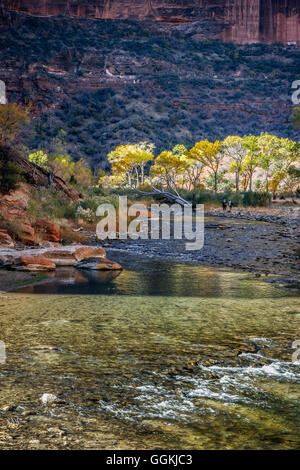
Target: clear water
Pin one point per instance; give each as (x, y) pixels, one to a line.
(162, 355)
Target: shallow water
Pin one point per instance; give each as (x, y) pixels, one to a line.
(170, 355)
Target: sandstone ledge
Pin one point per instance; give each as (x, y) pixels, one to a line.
(47, 259)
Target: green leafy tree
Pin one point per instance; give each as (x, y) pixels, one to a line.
(39, 158)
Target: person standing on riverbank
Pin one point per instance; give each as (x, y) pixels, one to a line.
(229, 205)
(224, 204)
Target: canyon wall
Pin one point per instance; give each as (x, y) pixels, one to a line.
(243, 21)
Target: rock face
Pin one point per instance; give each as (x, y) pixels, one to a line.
(13, 209)
(263, 21)
(242, 20)
(6, 240)
(47, 230)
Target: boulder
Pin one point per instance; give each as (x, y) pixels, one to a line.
(61, 257)
(5, 261)
(69, 257)
(47, 230)
(27, 263)
(89, 252)
(26, 235)
(46, 244)
(6, 240)
(98, 264)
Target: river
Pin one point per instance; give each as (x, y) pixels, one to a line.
(164, 355)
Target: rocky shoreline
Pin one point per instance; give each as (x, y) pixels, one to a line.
(29, 266)
(265, 243)
(288, 216)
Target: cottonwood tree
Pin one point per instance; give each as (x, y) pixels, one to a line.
(82, 173)
(269, 151)
(168, 170)
(39, 158)
(234, 149)
(62, 166)
(131, 159)
(251, 159)
(11, 119)
(284, 168)
(210, 155)
(291, 183)
(194, 167)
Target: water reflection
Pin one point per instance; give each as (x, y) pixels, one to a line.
(156, 278)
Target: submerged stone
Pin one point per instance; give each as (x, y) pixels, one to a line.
(98, 264)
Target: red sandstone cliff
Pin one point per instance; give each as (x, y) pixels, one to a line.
(243, 20)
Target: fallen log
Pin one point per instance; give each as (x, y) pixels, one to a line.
(175, 198)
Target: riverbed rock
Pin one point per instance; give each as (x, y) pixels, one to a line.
(46, 244)
(99, 264)
(6, 240)
(61, 257)
(69, 257)
(89, 252)
(48, 398)
(27, 263)
(47, 230)
(5, 261)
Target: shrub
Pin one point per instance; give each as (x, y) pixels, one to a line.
(51, 204)
(13, 227)
(87, 215)
(253, 199)
(247, 198)
(11, 175)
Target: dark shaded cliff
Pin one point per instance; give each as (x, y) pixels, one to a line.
(107, 82)
(241, 21)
